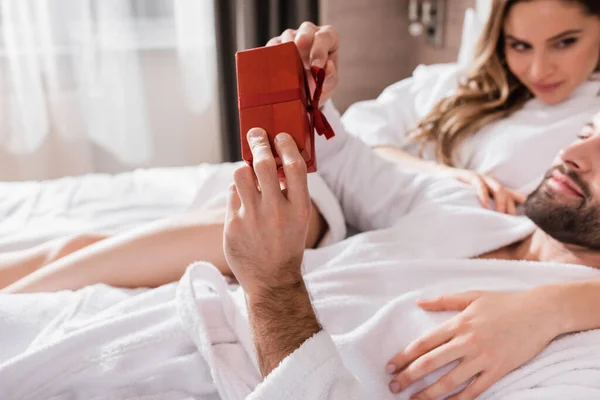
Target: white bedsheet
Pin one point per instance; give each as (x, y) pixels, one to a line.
(33, 212)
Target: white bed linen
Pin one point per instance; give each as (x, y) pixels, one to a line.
(32, 212)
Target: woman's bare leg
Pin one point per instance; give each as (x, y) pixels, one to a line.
(150, 256)
(15, 265)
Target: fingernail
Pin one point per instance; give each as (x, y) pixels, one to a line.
(255, 133)
(390, 368)
(281, 137)
(395, 387)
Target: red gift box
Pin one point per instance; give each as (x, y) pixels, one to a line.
(273, 94)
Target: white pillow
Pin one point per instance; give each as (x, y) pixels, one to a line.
(472, 29)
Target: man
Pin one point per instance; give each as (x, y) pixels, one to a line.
(286, 330)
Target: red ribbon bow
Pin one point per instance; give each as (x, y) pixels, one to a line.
(318, 118)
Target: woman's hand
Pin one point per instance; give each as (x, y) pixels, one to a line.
(495, 334)
(506, 199)
(318, 46)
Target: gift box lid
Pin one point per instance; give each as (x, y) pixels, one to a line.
(272, 70)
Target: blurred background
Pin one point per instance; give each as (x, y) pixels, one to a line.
(114, 85)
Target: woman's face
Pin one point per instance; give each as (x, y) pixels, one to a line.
(551, 46)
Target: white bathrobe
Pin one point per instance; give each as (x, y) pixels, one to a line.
(191, 339)
(515, 150)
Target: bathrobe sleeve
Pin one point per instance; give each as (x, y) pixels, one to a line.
(388, 119)
(375, 193)
(313, 372)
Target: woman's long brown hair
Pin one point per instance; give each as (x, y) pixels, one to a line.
(488, 93)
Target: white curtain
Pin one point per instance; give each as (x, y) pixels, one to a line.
(105, 85)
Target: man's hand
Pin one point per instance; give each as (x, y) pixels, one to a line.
(318, 46)
(265, 227)
(265, 233)
(495, 334)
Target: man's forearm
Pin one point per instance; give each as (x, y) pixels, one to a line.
(574, 305)
(282, 319)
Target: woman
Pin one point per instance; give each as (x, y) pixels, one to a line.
(159, 253)
(529, 87)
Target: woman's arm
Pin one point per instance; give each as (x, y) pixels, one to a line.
(575, 305)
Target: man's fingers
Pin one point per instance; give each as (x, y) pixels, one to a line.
(294, 168)
(282, 183)
(263, 162)
(325, 43)
(245, 185)
(234, 203)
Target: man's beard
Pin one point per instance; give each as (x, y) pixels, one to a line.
(576, 225)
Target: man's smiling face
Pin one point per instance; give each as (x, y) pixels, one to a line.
(566, 205)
